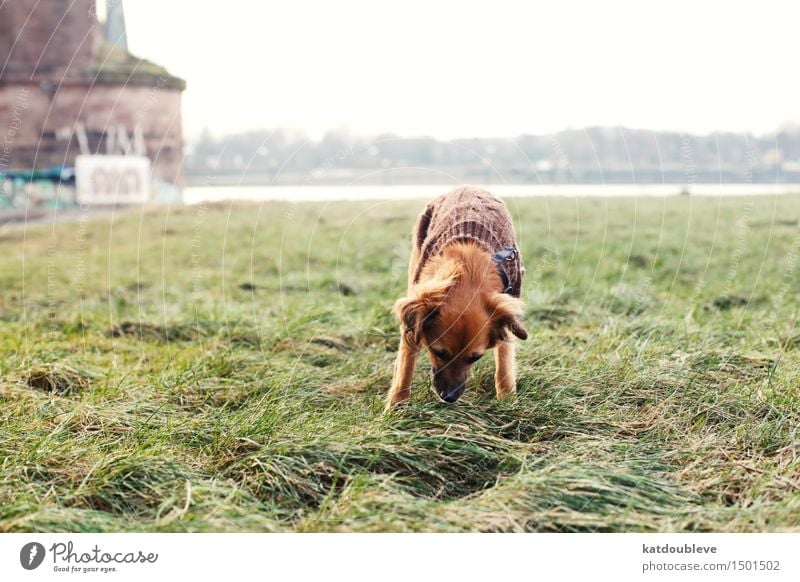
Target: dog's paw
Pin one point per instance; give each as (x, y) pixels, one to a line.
(506, 392)
(394, 404)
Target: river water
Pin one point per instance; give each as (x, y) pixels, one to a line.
(196, 195)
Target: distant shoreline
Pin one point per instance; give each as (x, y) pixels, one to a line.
(332, 193)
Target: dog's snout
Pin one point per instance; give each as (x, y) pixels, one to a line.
(452, 395)
(447, 390)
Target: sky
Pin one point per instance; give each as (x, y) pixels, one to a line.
(461, 69)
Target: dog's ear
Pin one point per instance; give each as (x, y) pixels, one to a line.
(506, 314)
(426, 297)
(411, 312)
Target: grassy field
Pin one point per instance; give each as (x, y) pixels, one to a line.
(223, 368)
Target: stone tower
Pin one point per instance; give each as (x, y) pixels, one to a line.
(65, 90)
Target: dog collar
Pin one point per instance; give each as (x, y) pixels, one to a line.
(499, 258)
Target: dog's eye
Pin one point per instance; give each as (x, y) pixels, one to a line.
(474, 358)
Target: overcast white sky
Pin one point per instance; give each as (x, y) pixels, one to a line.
(457, 69)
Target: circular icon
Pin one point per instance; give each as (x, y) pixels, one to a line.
(31, 555)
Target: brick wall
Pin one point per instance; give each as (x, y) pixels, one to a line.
(34, 117)
(47, 37)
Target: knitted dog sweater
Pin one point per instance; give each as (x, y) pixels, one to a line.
(470, 214)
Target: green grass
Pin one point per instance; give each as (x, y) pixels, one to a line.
(223, 368)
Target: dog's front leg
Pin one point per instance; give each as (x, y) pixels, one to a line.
(505, 369)
(403, 373)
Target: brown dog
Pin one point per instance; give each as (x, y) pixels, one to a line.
(464, 280)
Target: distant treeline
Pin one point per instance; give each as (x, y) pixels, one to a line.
(593, 155)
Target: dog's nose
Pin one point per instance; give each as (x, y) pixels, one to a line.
(451, 397)
(452, 394)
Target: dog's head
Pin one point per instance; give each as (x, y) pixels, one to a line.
(458, 312)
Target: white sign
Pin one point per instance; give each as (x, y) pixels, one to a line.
(112, 179)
